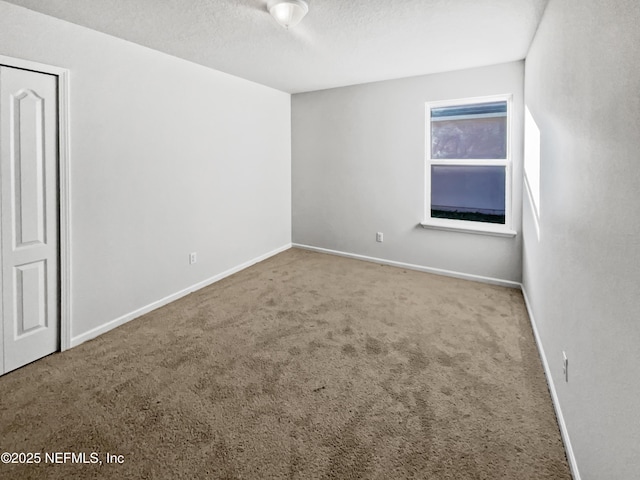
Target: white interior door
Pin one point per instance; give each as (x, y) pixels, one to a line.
(29, 216)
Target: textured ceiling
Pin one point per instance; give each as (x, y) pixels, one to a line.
(340, 42)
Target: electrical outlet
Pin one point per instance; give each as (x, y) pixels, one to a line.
(379, 237)
(192, 258)
(565, 366)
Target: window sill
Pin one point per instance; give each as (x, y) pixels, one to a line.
(466, 228)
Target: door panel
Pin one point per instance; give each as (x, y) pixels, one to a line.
(29, 216)
(31, 298)
(26, 117)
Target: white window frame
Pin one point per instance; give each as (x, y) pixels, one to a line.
(467, 225)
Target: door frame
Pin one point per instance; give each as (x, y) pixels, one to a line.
(64, 192)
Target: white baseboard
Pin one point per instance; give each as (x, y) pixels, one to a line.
(75, 341)
(410, 266)
(573, 464)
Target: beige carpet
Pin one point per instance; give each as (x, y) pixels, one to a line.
(304, 366)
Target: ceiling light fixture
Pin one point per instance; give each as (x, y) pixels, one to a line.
(288, 13)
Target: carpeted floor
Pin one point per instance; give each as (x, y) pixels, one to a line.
(304, 366)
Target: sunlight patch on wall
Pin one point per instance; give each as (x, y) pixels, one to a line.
(532, 165)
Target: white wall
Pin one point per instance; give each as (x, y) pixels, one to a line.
(167, 158)
(583, 275)
(358, 168)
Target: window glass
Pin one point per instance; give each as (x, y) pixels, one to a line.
(476, 131)
(473, 193)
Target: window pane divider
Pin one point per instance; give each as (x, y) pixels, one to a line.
(470, 162)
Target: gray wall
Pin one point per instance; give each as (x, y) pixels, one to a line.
(358, 168)
(583, 276)
(167, 158)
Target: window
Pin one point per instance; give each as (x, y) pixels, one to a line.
(468, 165)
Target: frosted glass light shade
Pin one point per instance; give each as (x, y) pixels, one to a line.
(288, 13)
